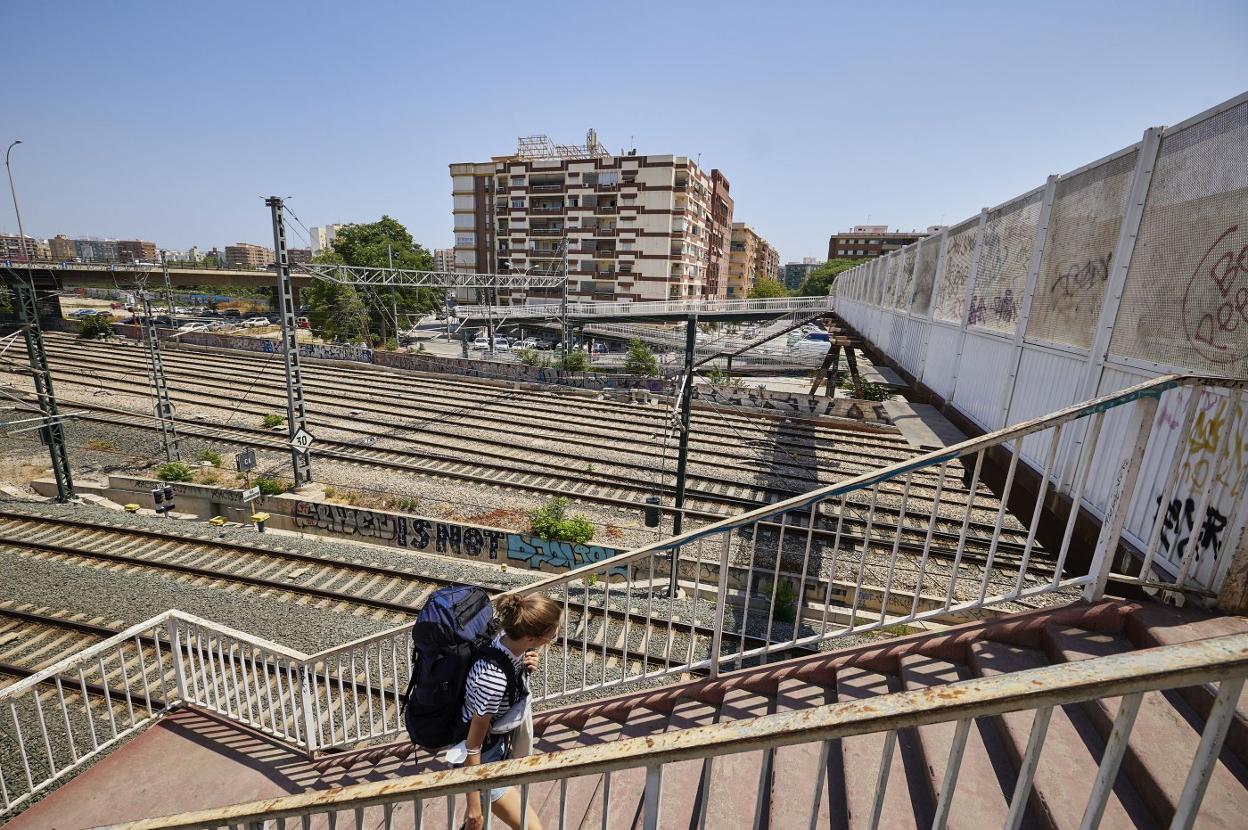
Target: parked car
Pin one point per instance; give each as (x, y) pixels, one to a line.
(501, 344)
(232, 313)
(532, 343)
(189, 327)
(256, 322)
(82, 312)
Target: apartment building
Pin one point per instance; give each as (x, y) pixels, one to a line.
(639, 227)
(245, 255)
(62, 248)
(14, 247)
(751, 258)
(444, 259)
(862, 241)
(795, 273)
(136, 250)
(323, 236)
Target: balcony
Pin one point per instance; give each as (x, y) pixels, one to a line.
(605, 209)
(546, 188)
(545, 231)
(547, 209)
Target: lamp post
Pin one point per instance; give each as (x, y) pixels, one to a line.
(21, 234)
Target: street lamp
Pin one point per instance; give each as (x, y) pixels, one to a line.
(21, 234)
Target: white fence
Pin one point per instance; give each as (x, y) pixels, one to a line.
(1125, 269)
(661, 308)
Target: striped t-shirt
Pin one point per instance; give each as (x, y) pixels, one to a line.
(485, 692)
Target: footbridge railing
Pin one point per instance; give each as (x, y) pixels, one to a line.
(921, 540)
(645, 308)
(431, 799)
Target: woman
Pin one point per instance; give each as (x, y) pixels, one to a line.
(528, 623)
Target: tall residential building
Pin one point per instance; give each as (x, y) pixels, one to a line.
(95, 250)
(323, 237)
(751, 258)
(245, 255)
(135, 250)
(638, 227)
(795, 273)
(444, 259)
(298, 255)
(62, 248)
(869, 241)
(14, 247)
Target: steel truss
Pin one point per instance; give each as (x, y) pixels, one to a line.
(160, 387)
(401, 278)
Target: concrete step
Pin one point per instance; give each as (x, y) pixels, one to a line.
(1166, 728)
(681, 799)
(736, 786)
(986, 776)
(1070, 755)
(582, 791)
(625, 787)
(907, 800)
(797, 767)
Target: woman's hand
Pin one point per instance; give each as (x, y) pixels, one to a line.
(474, 821)
(531, 660)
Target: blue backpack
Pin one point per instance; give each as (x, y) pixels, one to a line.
(454, 630)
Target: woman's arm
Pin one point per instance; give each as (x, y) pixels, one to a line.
(478, 728)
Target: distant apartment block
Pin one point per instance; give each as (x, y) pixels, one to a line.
(136, 250)
(14, 247)
(639, 227)
(863, 241)
(444, 259)
(95, 250)
(795, 273)
(62, 248)
(751, 258)
(298, 255)
(323, 237)
(245, 255)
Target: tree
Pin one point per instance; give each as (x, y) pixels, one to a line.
(818, 281)
(640, 360)
(364, 313)
(766, 288)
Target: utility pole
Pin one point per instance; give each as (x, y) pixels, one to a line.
(164, 263)
(296, 408)
(682, 461)
(52, 433)
(160, 387)
(394, 294)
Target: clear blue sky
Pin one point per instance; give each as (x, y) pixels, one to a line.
(169, 121)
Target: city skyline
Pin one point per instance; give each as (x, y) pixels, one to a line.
(861, 129)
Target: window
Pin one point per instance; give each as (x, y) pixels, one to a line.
(517, 180)
(517, 203)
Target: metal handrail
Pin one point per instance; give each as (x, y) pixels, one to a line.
(642, 307)
(1220, 659)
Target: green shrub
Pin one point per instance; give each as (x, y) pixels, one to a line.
(870, 391)
(213, 458)
(329, 492)
(95, 326)
(551, 522)
(574, 362)
(640, 360)
(406, 504)
(272, 485)
(532, 357)
(175, 471)
(273, 420)
(786, 602)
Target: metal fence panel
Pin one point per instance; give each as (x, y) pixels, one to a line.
(1083, 229)
(986, 362)
(1006, 249)
(942, 353)
(925, 274)
(905, 280)
(1185, 302)
(950, 302)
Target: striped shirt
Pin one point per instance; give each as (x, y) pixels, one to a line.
(485, 692)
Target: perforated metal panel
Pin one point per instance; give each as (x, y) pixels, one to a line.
(959, 253)
(1083, 230)
(905, 280)
(1003, 258)
(1185, 302)
(925, 274)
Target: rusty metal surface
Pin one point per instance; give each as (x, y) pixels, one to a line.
(1166, 667)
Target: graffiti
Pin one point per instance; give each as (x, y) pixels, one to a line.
(1180, 522)
(1080, 282)
(793, 403)
(563, 555)
(1215, 303)
(445, 538)
(1001, 309)
(336, 351)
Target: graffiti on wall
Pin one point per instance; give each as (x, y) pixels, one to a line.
(1215, 302)
(446, 538)
(1179, 524)
(793, 403)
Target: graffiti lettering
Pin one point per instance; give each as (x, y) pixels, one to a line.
(1080, 282)
(1002, 309)
(792, 403)
(1179, 523)
(1215, 303)
(446, 538)
(563, 555)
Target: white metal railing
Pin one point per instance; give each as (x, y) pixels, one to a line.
(643, 762)
(643, 308)
(918, 540)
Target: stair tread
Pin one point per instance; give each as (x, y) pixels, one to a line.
(583, 790)
(628, 785)
(682, 780)
(732, 788)
(797, 766)
(986, 778)
(1166, 728)
(906, 800)
(1071, 753)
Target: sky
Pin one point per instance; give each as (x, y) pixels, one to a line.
(171, 121)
